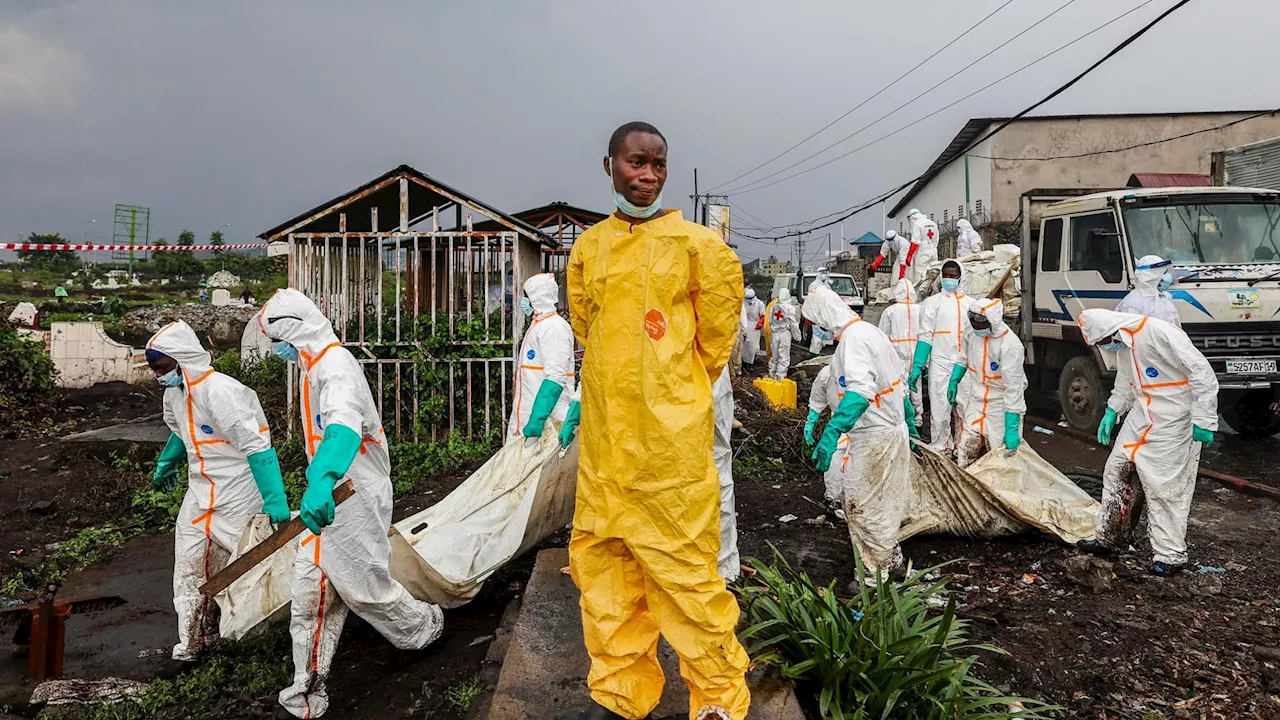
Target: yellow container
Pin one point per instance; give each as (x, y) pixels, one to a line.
(781, 393)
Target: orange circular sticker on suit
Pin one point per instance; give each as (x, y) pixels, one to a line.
(655, 324)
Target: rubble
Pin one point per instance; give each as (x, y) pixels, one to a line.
(1089, 571)
(224, 323)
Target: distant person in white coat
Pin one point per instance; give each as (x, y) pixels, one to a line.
(968, 241)
(752, 323)
(1152, 278)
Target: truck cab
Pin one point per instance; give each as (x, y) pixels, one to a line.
(844, 285)
(1224, 243)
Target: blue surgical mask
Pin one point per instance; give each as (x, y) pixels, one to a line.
(285, 350)
(173, 378)
(950, 284)
(1165, 282)
(1114, 347)
(982, 332)
(634, 211)
(526, 307)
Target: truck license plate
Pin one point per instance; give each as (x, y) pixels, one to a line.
(1251, 367)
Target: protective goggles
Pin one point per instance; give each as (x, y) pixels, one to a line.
(1153, 266)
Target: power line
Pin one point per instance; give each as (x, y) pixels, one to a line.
(921, 119)
(949, 78)
(873, 97)
(1068, 85)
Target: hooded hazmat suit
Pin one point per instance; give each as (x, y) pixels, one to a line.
(783, 327)
(924, 245)
(544, 381)
(894, 246)
(968, 241)
(998, 386)
(1168, 388)
(729, 564)
(220, 423)
(752, 317)
(346, 565)
(901, 322)
(657, 306)
(1147, 298)
(833, 477)
(939, 346)
(866, 373)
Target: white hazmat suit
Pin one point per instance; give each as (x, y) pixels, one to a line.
(752, 314)
(943, 321)
(833, 478)
(968, 241)
(877, 478)
(784, 327)
(729, 564)
(346, 565)
(546, 353)
(998, 385)
(901, 322)
(1148, 297)
(1167, 388)
(894, 246)
(924, 245)
(221, 423)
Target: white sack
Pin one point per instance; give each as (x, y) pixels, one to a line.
(261, 592)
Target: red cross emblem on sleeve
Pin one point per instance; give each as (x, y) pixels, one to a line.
(929, 233)
(777, 314)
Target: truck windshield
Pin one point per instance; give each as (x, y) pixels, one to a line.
(1206, 234)
(841, 284)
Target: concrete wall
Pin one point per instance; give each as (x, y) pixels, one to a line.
(1041, 138)
(946, 193)
(85, 356)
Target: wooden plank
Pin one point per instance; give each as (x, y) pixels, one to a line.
(263, 550)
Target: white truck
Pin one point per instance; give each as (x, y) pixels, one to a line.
(844, 285)
(1080, 252)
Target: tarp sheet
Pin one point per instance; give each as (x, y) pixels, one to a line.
(262, 591)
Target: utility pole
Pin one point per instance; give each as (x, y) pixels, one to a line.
(695, 194)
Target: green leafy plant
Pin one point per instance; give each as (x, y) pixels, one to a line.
(886, 653)
(27, 375)
(461, 695)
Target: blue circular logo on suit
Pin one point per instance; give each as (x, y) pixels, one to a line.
(206, 429)
(1152, 372)
(530, 354)
(319, 425)
(995, 365)
(841, 381)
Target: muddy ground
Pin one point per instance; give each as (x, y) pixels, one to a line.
(1137, 647)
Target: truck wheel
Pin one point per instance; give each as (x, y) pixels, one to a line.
(1081, 393)
(1253, 414)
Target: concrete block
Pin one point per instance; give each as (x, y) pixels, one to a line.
(221, 297)
(24, 315)
(545, 669)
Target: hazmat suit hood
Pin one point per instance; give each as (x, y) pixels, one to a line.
(784, 295)
(891, 235)
(1147, 274)
(823, 307)
(993, 311)
(543, 292)
(179, 341)
(963, 224)
(904, 291)
(292, 317)
(751, 294)
(1098, 324)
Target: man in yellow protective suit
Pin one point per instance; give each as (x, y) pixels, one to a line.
(655, 300)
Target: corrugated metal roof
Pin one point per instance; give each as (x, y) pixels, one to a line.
(868, 238)
(1155, 180)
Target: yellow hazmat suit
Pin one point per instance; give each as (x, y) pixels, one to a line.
(656, 305)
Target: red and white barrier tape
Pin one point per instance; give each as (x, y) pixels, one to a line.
(139, 248)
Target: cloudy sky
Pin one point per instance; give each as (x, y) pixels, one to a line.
(247, 112)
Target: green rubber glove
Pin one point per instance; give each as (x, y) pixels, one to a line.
(1201, 435)
(909, 411)
(1107, 427)
(809, 425)
(918, 363)
(953, 387)
(842, 421)
(1012, 430)
(548, 394)
(265, 467)
(332, 460)
(165, 478)
(571, 420)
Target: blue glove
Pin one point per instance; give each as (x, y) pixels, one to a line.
(1108, 426)
(571, 420)
(165, 478)
(265, 467)
(909, 411)
(1201, 435)
(842, 421)
(918, 363)
(809, 425)
(332, 460)
(953, 387)
(1012, 430)
(548, 395)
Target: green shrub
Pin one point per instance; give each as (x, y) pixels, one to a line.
(27, 374)
(887, 653)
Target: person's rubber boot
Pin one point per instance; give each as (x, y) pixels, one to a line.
(1164, 569)
(593, 712)
(1093, 547)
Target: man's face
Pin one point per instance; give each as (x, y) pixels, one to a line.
(639, 170)
(951, 271)
(979, 321)
(162, 365)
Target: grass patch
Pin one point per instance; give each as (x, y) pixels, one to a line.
(461, 695)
